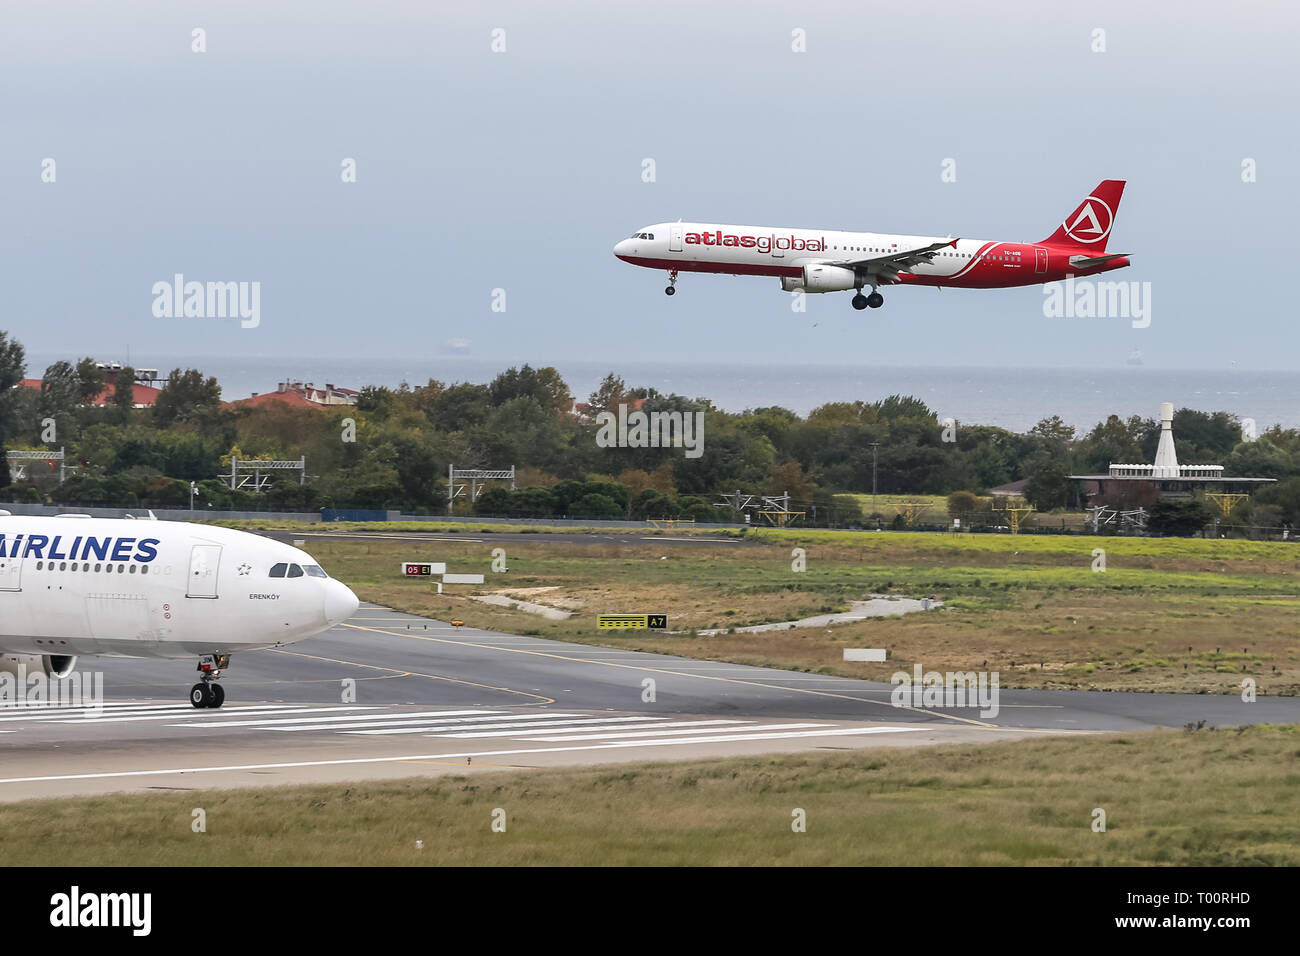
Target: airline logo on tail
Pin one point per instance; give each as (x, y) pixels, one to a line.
(1087, 227)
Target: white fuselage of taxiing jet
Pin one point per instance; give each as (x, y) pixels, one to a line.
(73, 585)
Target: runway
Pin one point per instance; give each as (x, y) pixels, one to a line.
(390, 694)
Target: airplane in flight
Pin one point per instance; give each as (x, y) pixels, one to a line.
(818, 260)
(74, 585)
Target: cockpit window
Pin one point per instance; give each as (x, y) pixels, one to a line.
(314, 571)
(295, 571)
(277, 571)
(649, 235)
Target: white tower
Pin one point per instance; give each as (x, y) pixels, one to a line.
(1166, 465)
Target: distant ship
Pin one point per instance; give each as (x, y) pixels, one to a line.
(1135, 357)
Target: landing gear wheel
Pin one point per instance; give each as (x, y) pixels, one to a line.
(207, 692)
(875, 300)
(670, 291)
(859, 302)
(672, 281)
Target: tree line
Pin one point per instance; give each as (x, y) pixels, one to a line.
(392, 449)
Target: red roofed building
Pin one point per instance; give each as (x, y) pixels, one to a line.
(144, 396)
(302, 395)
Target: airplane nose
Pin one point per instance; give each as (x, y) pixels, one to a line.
(340, 602)
(621, 247)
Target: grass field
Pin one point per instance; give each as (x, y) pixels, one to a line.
(1171, 614)
(1204, 798)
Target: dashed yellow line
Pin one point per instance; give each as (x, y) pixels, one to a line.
(397, 672)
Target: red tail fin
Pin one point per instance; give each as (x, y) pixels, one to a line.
(1088, 227)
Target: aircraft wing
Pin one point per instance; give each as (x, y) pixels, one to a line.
(889, 264)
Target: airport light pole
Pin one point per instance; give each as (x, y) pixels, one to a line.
(874, 446)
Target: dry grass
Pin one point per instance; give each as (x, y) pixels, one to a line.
(1030, 608)
(1209, 798)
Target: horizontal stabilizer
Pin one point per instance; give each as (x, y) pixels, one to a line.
(1088, 262)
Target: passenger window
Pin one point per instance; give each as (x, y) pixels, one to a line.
(295, 571)
(278, 570)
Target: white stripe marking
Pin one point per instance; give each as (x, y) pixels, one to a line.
(474, 723)
(268, 711)
(90, 714)
(277, 721)
(603, 726)
(117, 774)
(436, 730)
(670, 733)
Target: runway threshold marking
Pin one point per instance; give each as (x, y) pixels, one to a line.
(424, 758)
(399, 672)
(660, 670)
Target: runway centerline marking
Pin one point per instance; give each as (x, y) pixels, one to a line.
(405, 673)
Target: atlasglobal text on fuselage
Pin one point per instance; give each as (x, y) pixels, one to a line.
(819, 260)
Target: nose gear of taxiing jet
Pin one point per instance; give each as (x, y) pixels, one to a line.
(208, 693)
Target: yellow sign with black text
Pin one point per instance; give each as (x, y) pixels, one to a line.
(639, 622)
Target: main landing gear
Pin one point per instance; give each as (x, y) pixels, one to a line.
(207, 692)
(875, 301)
(672, 281)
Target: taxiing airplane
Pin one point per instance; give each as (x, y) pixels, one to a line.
(75, 585)
(816, 260)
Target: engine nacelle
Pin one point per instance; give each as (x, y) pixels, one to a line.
(822, 278)
(51, 665)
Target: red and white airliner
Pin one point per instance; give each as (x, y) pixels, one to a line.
(815, 260)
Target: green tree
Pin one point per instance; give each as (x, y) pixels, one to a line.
(544, 384)
(609, 394)
(91, 381)
(124, 394)
(186, 396)
(59, 397)
(1049, 485)
(1175, 516)
(13, 366)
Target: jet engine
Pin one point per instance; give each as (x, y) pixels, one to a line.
(821, 278)
(51, 665)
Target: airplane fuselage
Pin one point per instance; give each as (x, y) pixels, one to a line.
(74, 586)
(783, 253)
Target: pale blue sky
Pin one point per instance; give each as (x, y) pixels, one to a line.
(520, 170)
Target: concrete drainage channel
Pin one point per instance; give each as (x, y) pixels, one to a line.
(878, 605)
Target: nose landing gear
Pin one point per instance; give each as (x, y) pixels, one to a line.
(207, 692)
(672, 281)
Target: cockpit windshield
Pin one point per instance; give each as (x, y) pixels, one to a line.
(295, 571)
